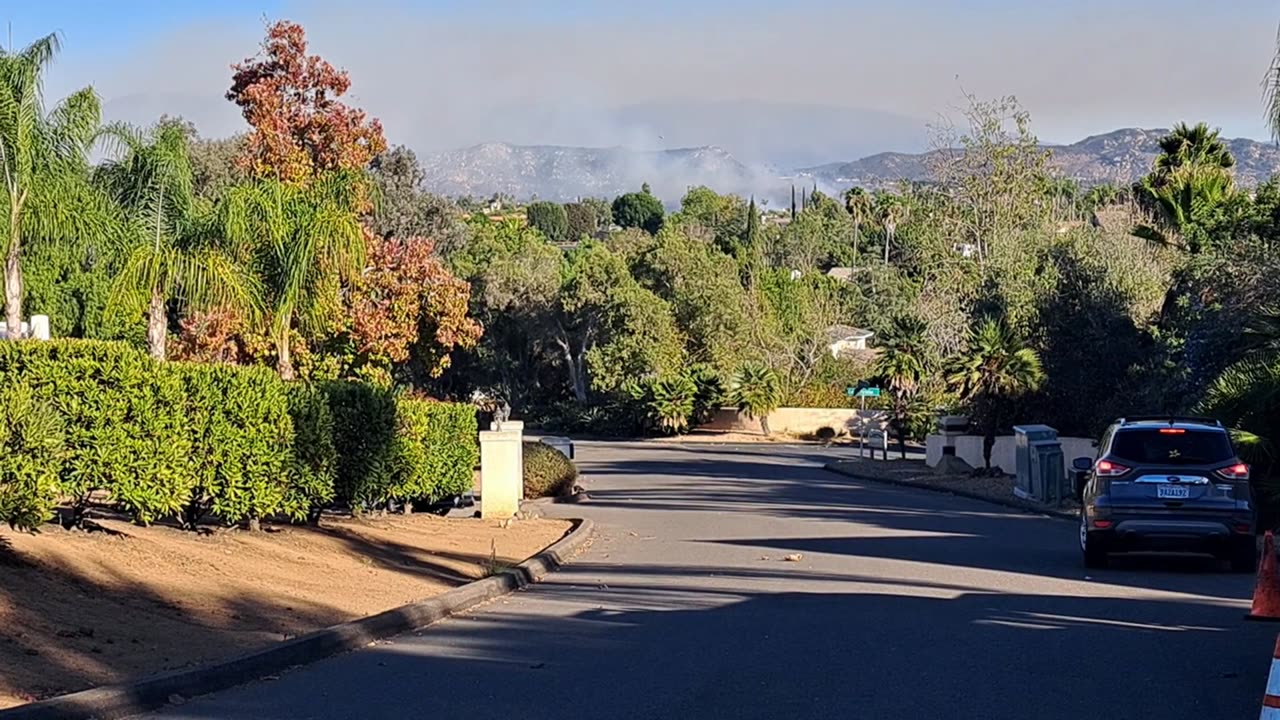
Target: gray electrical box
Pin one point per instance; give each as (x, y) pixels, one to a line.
(1038, 456)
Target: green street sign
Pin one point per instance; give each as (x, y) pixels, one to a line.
(869, 392)
(851, 391)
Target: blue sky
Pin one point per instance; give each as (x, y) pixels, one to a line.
(444, 73)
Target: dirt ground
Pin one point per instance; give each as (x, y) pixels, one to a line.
(79, 609)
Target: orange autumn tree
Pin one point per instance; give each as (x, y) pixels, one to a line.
(407, 305)
(290, 99)
(369, 303)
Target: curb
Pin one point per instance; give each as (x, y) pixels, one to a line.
(133, 698)
(1010, 503)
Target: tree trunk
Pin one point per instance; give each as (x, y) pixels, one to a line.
(157, 326)
(577, 373)
(988, 442)
(888, 238)
(13, 284)
(902, 438)
(283, 356)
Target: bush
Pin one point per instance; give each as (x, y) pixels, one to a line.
(31, 454)
(241, 441)
(364, 431)
(126, 421)
(195, 440)
(399, 449)
(755, 391)
(314, 462)
(434, 453)
(547, 472)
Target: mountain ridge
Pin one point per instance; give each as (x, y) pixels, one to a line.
(561, 172)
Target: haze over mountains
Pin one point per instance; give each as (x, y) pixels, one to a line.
(563, 172)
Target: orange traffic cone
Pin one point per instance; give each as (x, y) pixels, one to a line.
(1266, 591)
(1271, 700)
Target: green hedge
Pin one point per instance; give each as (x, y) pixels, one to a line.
(125, 422)
(241, 441)
(190, 441)
(33, 447)
(400, 450)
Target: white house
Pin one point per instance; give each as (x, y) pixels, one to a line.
(844, 340)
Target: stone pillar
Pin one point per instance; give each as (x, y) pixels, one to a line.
(40, 327)
(518, 427)
(501, 474)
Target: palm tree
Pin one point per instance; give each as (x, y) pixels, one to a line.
(1196, 145)
(858, 202)
(996, 368)
(1192, 172)
(168, 254)
(43, 165)
(892, 212)
(756, 390)
(900, 366)
(1271, 93)
(302, 240)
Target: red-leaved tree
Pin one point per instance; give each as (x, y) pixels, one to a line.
(406, 302)
(290, 99)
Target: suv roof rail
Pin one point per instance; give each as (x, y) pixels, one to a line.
(1171, 419)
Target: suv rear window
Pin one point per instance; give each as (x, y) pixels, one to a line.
(1190, 447)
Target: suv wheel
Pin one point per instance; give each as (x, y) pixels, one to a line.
(1244, 556)
(1091, 546)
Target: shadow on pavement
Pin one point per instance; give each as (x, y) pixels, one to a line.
(864, 655)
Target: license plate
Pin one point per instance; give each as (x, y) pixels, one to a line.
(1173, 492)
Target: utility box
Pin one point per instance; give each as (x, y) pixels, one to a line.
(1038, 457)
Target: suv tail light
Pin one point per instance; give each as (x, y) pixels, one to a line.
(1109, 469)
(1239, 471)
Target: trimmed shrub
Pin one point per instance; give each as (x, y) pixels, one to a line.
(399, 449)
(31, 455)
(241, 441)
(448, 434)
(125, 419)
(547, 472)
(364, 432)
(313, 464)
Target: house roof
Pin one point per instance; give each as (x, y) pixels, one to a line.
(836, 333)
(844, 273)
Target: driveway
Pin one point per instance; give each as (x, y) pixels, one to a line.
(902, 604)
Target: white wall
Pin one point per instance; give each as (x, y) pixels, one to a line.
(797, 421)
(969, 449)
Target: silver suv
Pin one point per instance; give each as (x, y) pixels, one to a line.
(1166, 484)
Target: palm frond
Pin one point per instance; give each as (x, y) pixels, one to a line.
(1271, 92)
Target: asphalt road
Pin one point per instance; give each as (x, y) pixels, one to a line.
(905, 604)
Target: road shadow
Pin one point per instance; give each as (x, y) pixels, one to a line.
(637, 652)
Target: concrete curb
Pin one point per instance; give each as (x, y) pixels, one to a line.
(1011, 503)
(117, 701)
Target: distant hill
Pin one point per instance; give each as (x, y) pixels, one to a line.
(1120, 157)
(563, 173)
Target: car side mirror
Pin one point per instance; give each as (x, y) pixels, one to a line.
(1093, 443)
(1082, 464)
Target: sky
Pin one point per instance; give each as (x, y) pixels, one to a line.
(776, 84)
